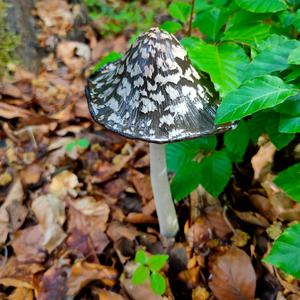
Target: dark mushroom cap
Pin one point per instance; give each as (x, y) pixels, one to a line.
(153, 93)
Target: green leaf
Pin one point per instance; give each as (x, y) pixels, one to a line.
(171, 26)
(70, 146)
(236, 141)
(111, 57)
(279, 139)
(187, 178)
(141, 257)
(288, 181)
(224, 63)
(256, 125)
(158, 283)
(180, 11)
(247, 33)
(294, 57)
(211, 21)
(294, 74)
(182, 152)
(262, 6)
(296, 21)
(272, 57)
(140, 275)
(83, 143)
(290, 106)
(285, 251)
(242, 17)
(289, 124)
(215, 172)
(156, 262)
(252, 96)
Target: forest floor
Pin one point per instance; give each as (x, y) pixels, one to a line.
(76, 201)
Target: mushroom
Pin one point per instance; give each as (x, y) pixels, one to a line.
(154, 94)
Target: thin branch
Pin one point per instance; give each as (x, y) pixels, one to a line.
(191, 18)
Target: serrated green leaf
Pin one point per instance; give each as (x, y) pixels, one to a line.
(247, 33)
(288, 181)
(180, 10)
(83, 143)
(140, 275)
(141, 257)
(279, 139)
(273, 56)
(111, 57)
(215, 172)
(182, 152)
(262, 6)
(171, 26)
(294, 57)
(285, 251)
(289, 124)
(236, 141)
(187, 178)
(158, 283)
(224, 63)
(252, 96)
(211, 21)
(156, 262)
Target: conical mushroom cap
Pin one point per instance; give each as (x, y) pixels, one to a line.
(153, 93)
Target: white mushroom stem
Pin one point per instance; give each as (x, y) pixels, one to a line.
(165, 209)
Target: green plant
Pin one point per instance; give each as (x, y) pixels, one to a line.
(113, 17)
(148, 268)
(250, 49)
(9, 42)
(82, 143)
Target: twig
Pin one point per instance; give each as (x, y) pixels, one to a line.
(191, 18)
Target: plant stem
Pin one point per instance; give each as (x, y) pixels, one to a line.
(165, 209)
(191, 19)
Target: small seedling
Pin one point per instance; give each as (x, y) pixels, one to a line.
(79, 143)
(149, 267)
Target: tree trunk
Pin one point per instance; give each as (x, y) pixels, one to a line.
(21, 22)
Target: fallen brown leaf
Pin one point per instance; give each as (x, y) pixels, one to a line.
(83, 273)
(50, 213)
(139, 292)
(19, 274)
(27, 245)
(106, 295)
(21, 294)
(12, 212)
(190, 277)
(31, 174)
(233, 276)
(263, 160)
(53, 284)
(88, 222)
(8, 111)
(81, 245)
(116, 230)
(142, 184)
(215, 218)
(252, 217)
(63, 184)
(199, 233)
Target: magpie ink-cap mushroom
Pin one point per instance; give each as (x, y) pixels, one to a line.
(154, 94)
